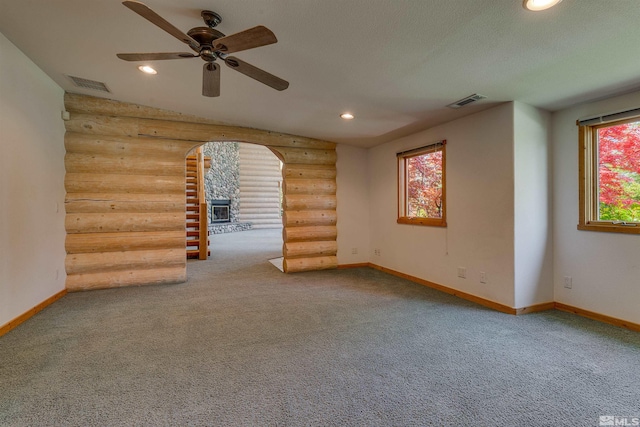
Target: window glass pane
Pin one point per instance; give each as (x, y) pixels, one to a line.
(424, 185)
(619, 172)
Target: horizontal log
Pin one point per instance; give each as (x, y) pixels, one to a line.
(309, 201)
(265, 160)
(269, 182)
(123, 222)
(261, 179)
(123, 202)
(107, 107)
(309, 249)
(124, 197)
(262, 172)
(309, 186)
(129, 260)
(130, 146)
(268, 189)
(265, 202)
(120, 278)
(307, 156)
(196, 132)
(309, 171)
(121, 164)
(309, 233)
(207, 132)
(126, 241)
(106, 183)
(101, 125)
(93, 206)
(296, 265)
(253, 175)
(305, 218)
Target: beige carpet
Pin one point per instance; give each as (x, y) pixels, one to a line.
(242, 344)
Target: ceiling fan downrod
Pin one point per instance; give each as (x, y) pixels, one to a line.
(210, 44)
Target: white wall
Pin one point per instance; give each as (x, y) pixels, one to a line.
(480, 208)
(353, 204)
(605, 267)
(532, 207)
(31, 184)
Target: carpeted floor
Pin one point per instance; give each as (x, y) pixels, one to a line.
(242, 344)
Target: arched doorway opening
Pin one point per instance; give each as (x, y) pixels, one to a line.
(242, 191)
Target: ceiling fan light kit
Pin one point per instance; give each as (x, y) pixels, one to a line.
(147, 69)
(210, 45)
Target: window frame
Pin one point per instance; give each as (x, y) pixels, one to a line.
(401, 160)
(588, 179)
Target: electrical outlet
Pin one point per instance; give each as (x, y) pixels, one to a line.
(568, 282)
(354, 251)
(483, 277)
(462, 272)
(376, 252)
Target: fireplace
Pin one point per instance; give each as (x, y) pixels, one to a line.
(220, 210)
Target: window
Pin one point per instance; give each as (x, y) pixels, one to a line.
(421, 186)
(610, 173)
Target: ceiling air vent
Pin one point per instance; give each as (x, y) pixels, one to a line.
(468, 100)
(89, 84)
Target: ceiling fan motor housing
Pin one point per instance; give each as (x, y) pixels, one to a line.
(205, 37)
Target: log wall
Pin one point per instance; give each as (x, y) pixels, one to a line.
(125, 184)
(260, 183)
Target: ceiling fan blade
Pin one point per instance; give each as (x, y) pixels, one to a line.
(256, 73)
(247, 39)
(211, 79)
(144, 11)
(155, 56)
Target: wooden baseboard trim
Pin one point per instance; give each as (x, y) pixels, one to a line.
(30, 313)
(536, 308)
(359, 265)
(509, 310)
(469, 297)
(597, 316)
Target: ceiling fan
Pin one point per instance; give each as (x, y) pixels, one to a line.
(210, 45)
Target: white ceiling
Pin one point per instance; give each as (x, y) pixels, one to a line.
(395, 64)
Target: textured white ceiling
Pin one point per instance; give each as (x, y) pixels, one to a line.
(395, 64)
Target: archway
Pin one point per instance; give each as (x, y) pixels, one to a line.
(241, 188)
(125, 192)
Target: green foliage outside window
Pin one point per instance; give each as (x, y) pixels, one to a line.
(619, 172)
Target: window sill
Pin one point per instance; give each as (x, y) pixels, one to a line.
(607, 227)
(430, 222)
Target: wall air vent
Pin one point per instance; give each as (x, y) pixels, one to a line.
(89, 84)
(468, 100)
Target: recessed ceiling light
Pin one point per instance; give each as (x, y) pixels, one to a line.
(538, 5)
(347, 116)
(147, 69)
